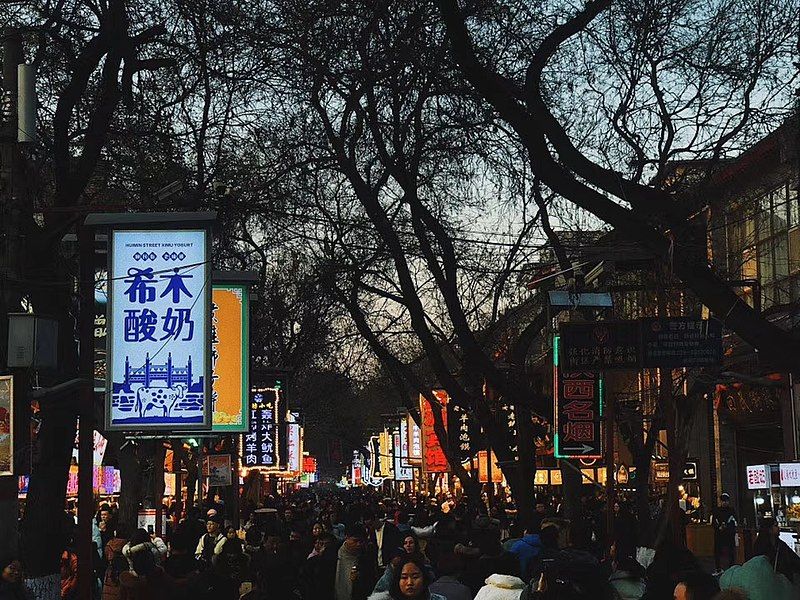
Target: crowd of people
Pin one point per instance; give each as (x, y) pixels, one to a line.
(357, 545)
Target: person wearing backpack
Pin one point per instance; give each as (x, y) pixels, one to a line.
(723, 520)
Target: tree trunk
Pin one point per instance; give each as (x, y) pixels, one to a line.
(571, 488)
(44, 528)
(131, 491)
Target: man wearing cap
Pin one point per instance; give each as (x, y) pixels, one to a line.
(212, 542)
(724, 521)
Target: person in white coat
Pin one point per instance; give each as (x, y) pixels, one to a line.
(501, 587)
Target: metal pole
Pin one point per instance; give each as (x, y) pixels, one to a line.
(86, 423)
(610, 491)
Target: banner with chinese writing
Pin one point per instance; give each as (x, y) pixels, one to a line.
(577, 408)
(293, 450)
(433, 456)
(578, 398)
(309, 464)
(230, 358)
(464, 433)
(6, 425)
(414, 441)
(401, 473)
(385, 454)
(260, 444)
(158, 342)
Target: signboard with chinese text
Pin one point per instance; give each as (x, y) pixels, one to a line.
(507, 417)
(260, 444)
(293, 450)
(661, 471)
(6, 425)
(578, 408)
(464, 432)
(600, 345)
(230, 357)
(401, 473)
(414, 442)
(386, 448)
(758, 477)
(433, 456)
(790, 474)
(309, 464)
(158, 318)
(681, 342)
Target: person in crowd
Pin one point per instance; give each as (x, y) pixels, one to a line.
(212, 541)
(141, 541)
(11, 583)
(384, 539)
(758, 577)
(695, 585)
(539, 515)
(723, 520)
(145, 581)
(493, 559)
(627, 578)
(527, 549)
(236, 562)
(501, 587)
(410, 582)
(69, 573)
(317, 529)
(356, 568)
(450, 567)
(272, 567)
(670, 564)
(115, 563)
(319, 572)
(769, 543)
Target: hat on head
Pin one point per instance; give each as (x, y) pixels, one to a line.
(724, 496)
(213, 516)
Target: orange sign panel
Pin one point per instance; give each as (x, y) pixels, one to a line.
(433, 457)
(230, 356)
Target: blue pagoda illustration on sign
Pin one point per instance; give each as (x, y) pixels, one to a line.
(166, 391)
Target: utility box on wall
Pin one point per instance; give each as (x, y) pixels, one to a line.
(32, 341)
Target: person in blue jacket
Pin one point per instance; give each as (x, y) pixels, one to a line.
(527, 549)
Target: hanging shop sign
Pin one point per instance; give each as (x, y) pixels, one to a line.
(758, 477)
(483, 468)
(507, 416)
(681, 342)
(309, 464)
(293, 450)
(404, 445)
(260, 444)
(386, 448)
(217, 467)
(669, 342)
(790, 474)
(433, 456)
(661, 471)
(230, 357)
(356, 467)
(600, 345)
(6, 425)
(578, 408)
(158, 321)
(414, 441)
(401, 473)
(464, 432)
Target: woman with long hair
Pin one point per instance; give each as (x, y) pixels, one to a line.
(410, 581)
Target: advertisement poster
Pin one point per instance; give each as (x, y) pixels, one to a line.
(6, 425)
(230, 359)
(433, 456)
(159, 330)
(218, 469)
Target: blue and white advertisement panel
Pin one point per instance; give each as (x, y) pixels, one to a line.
(158, 330)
